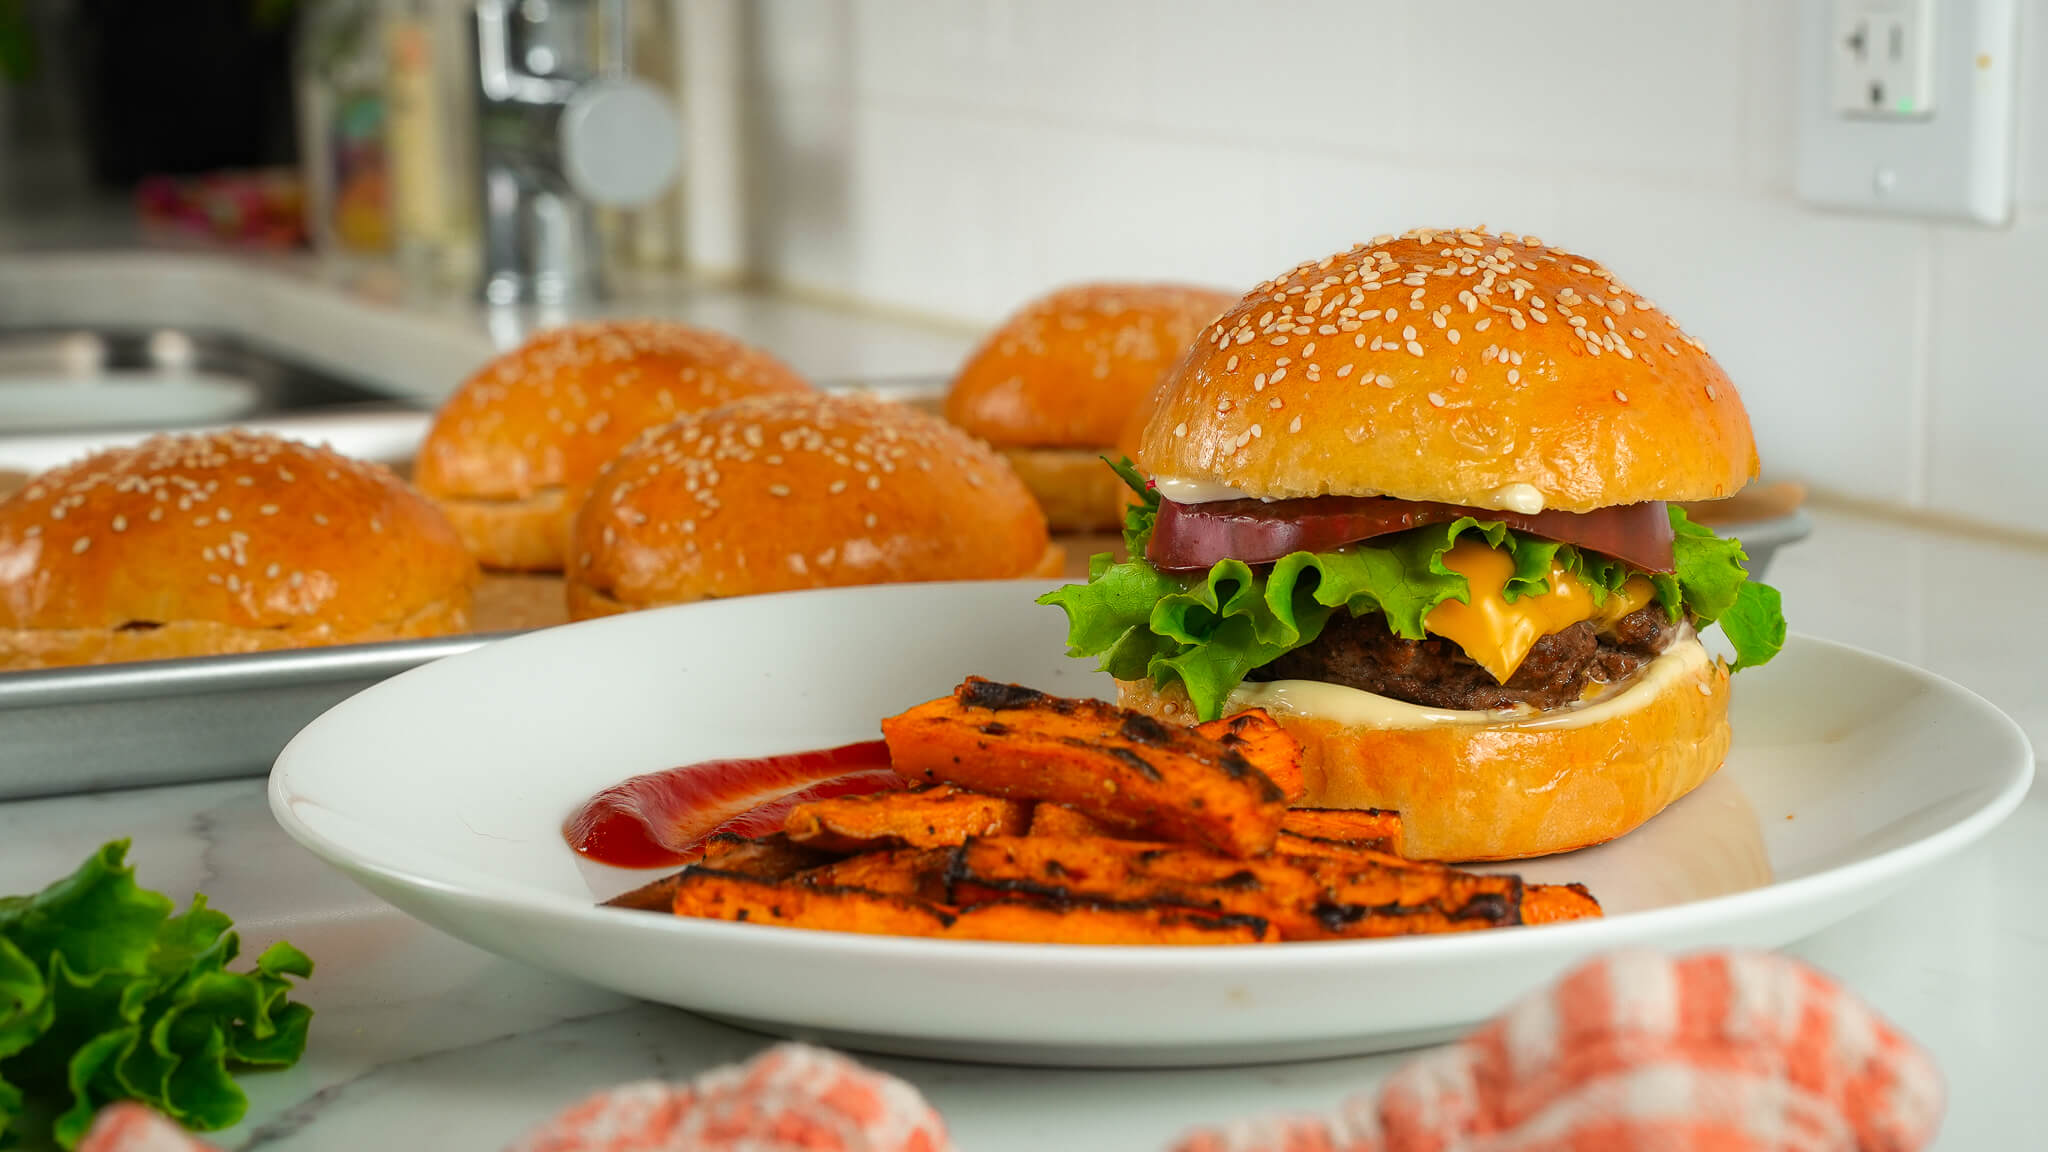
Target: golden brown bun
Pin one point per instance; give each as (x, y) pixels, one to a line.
(512, 451)
(1067, 370)
(1445, 366)
(1075, 488)
(1504, 791)
(231, 542)
(801, 491)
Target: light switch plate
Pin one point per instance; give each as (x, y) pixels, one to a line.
(1917, 118)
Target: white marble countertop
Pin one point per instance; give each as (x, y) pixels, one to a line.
(424, 1042)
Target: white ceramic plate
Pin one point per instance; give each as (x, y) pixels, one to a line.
(443, 791)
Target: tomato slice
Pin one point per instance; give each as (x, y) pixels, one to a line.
(1191, 537)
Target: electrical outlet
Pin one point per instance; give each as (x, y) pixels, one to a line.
(1884, 58)
(1906, 106)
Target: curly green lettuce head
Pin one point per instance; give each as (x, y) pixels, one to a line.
(1207, 630)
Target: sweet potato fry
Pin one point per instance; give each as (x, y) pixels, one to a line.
(936, 817)
(1306, 898)
(1120, 767)
(1270, 748)
(714, 895)
(1554, 903)
(1369, 898)
(711, 894)
(770, 857)
(915, 872)
(1372, 851)
(1134, 872)
(1373, 829)
(1063, 823)
(1106, 924)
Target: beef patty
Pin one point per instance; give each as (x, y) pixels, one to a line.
(1360, 652)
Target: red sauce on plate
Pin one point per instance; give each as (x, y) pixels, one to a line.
(662, 819)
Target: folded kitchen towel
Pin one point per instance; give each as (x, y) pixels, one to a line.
(791, 1098)
(1635, 1052)
(1735, 1052)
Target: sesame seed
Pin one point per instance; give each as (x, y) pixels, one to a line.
(1710, 392)
(778, 489)
(1384, 381)
(1414, 348)
(81, 544)
(1514, 375)
(120, 523)
(1294, 425)
(1436, 399)
(1621, 396)
(1180, 429)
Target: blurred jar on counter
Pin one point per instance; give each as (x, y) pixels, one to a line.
(340, 76)
(430, 138)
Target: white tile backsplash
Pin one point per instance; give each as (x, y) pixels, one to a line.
(2032, 96)
(1814, 317)
(1988, 387)
(958, 158)
(1645, 86)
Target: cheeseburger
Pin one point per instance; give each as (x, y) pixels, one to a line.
(1415, 500)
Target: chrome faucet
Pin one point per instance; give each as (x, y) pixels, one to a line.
(560, 128)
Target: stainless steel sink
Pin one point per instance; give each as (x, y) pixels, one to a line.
(55, 380)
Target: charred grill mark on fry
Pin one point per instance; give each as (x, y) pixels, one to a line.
(1139, 728)
(994, 696)
(1138, 764)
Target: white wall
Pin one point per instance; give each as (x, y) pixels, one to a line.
(957, 156)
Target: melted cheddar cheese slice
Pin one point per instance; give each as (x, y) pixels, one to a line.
(1498, 634)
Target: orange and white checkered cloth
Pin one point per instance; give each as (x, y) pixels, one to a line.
(1722, 1052)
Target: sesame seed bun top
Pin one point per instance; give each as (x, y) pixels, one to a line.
(1453, 366)
(551, 412)
(802, 491)
(235, 530)
(1069, 369)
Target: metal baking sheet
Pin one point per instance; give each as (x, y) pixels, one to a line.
(68, 730)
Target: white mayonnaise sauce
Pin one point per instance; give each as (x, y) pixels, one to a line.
(1524, 498)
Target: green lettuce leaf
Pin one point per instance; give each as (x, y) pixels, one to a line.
(106, 995)
(1206, 631)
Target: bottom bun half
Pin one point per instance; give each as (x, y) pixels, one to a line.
(1469, 786)
(1076, 489)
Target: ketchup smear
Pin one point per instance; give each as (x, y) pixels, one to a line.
(662, 819)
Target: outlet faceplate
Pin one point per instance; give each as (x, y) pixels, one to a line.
(1906, 106)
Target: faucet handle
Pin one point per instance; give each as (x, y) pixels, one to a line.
(620, 141)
